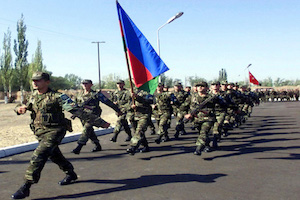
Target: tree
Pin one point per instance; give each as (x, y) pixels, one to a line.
(74, 80)
(278, 82)
(222, 75)
(59, 83)
(195, 79)
(109, 81)
(268, 82)
(37, 61)
(6, 65)
(20, 49)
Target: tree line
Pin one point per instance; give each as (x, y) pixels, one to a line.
(15, 75)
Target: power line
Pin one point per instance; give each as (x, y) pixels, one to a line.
(49, 31)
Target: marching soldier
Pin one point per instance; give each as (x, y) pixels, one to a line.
(49, 126)
(203, 113)
(181, 108)
(163, 107)
(122, 98)
(220, 112)
(89, 99)
(142, 107)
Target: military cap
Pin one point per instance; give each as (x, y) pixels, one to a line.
(224, 83)
(177, 83)
(87, 81)
(40, 75)
(120, 81)
(160, 85)
(202, 84)
(215, 83)
(231, 84)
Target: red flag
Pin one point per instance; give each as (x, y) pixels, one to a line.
(252, 79)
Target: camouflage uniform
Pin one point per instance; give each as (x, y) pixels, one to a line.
(204, 120)
(143, 103)
(90, 103)
(163, 114)
(220, 112)
(49, 126)
(122, 98)
(181, 108)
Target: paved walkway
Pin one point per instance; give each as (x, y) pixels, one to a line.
(259, 160)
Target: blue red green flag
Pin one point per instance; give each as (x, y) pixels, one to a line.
(144, 62)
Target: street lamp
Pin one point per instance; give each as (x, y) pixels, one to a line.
(168, 22)
(99, 62)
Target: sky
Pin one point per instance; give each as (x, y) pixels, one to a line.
(209, 36)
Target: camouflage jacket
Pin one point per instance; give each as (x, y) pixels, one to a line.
(90, 102)
(93, 104)
(183, 101)
(47, 110)
(122, 99)
(207, 110)
(143, 102)
(163, 101)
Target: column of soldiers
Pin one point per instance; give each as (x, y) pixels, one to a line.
(219, 108)
(273, 95)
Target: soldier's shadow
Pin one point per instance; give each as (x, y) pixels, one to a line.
(136, 183)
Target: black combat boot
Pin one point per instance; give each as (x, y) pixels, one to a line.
(70, 178)
(128, 137)
(158, 139)
(97, 147)
(166, 139)
(132, 150)
(23, 192)
(183, 132)
(199, 150)
(152, 132)
(114, 138)
(77, 149)
(215, 142)
(176, 135)
(145, 149)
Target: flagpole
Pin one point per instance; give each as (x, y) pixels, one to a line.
(248, 74)
(127, 59)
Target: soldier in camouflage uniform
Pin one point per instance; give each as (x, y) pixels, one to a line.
(181, 108)
(122, 98)
(142, 106)
(49, 126)
(220, 112)
(89, 99)
(163, 106)
(203, 115)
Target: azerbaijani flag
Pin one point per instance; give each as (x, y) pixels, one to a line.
(144, 62)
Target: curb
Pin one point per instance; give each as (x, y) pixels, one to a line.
(21, 148)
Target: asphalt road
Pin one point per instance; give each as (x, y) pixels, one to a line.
(259, 160)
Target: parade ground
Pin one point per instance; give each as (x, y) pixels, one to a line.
(257, 161)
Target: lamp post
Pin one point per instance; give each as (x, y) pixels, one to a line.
(247, 75)
(168, 22)
(99, 62)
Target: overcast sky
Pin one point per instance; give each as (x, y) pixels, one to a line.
(212, 34)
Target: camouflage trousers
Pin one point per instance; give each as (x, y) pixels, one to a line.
(141, 124)
(87, 133)
(179, 120)
(204, 127)
(230, 116)
(163, 118)
(47, 148)
(122, 122)
(218, 125)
